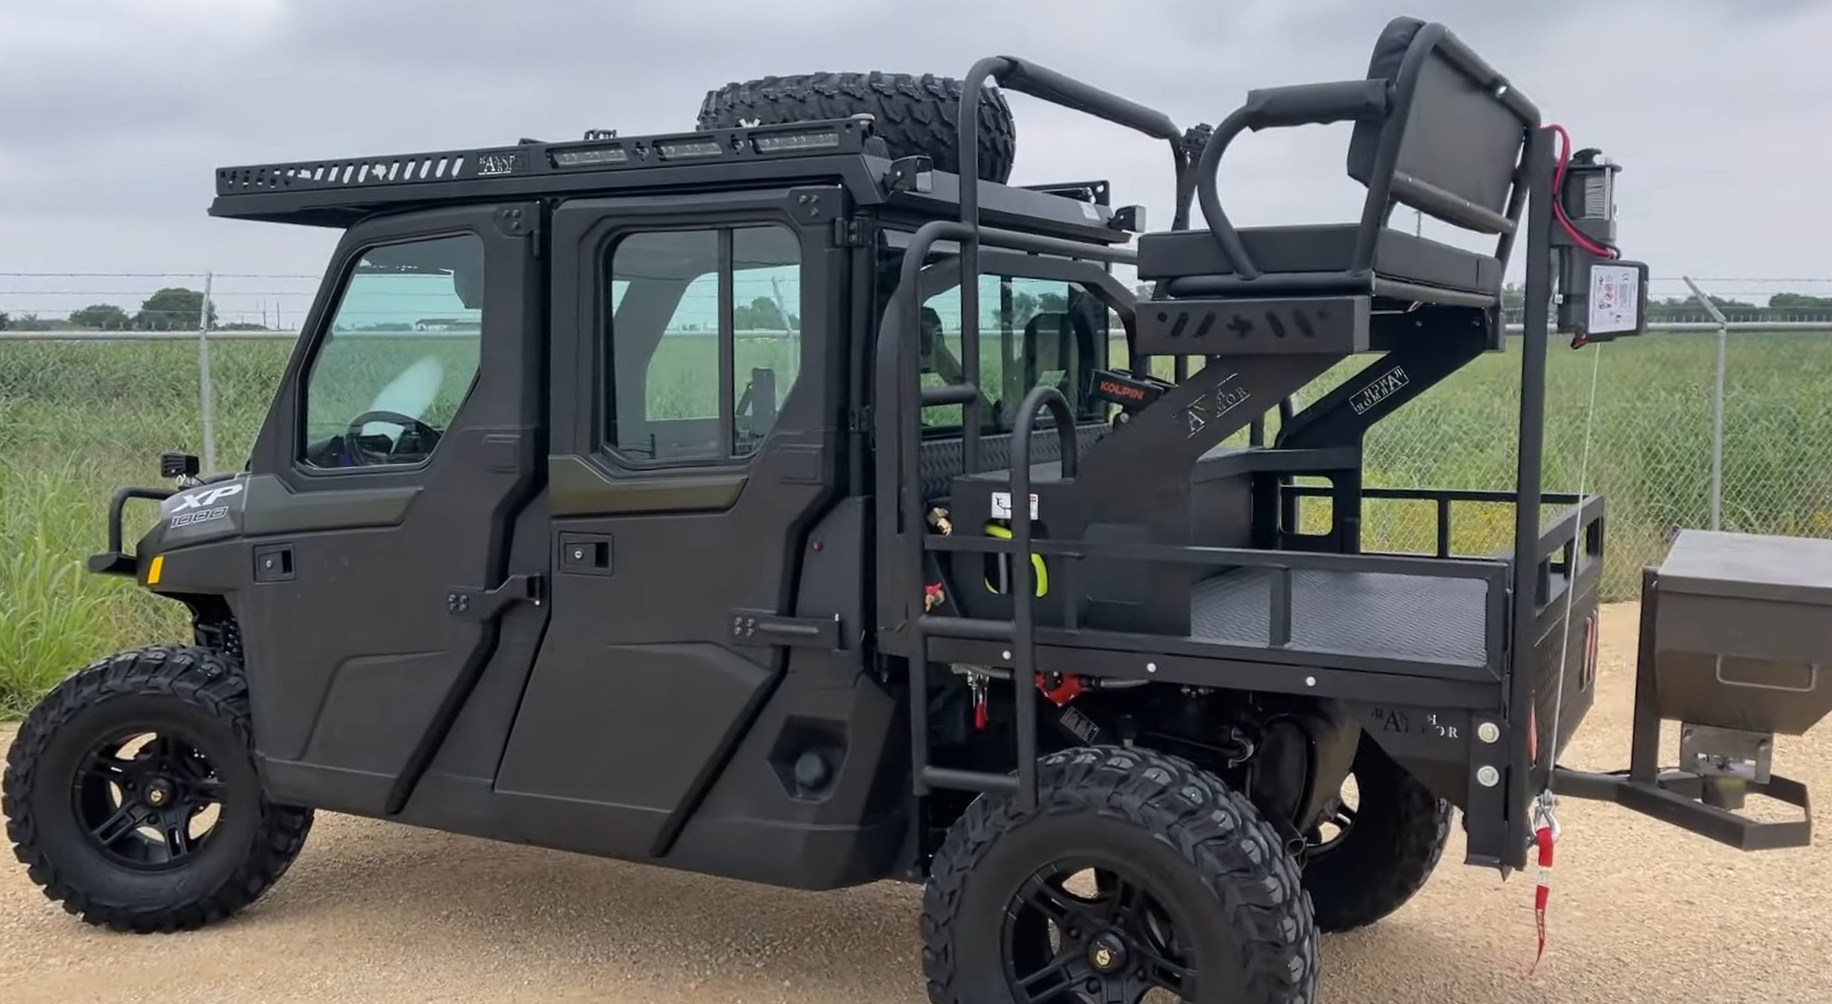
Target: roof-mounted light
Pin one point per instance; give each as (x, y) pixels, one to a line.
(589, 156)
(688, 149)
(799, 141)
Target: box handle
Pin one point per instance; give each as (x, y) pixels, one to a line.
(1812, 680)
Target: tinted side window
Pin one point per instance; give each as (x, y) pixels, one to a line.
(400, 355)
(1031, 332)
(705, 341)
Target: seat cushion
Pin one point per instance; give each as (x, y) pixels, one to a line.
(1319, 248)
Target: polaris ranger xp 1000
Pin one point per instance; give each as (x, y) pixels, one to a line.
(653, 498)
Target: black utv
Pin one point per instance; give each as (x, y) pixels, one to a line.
(653, 497)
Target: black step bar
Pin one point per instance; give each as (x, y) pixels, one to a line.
(1020, 633)
(898, 483)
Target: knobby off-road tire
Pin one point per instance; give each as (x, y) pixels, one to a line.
(1385, 854)
(79, 844)
(1196, 851)
(914, 114)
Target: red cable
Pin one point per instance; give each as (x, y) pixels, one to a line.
(1558, 205)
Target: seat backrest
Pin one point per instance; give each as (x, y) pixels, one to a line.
(1061, 342)
(1451, 143)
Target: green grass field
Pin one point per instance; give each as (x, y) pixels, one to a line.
(79, 420)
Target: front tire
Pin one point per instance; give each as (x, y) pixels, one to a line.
(1193, 892)
(1382, 851)
(116, 840)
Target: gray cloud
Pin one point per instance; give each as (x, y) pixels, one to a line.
(117, 113)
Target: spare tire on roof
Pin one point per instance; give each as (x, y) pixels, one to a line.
(914, 114)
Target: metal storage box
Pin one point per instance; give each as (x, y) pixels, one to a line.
(1742, 629)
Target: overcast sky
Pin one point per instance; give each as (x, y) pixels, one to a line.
(114, 113)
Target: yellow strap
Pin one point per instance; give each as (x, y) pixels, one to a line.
(1042, 570)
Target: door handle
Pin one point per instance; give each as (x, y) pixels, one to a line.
(488, 604)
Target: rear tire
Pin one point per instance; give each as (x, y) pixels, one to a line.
(1387, 850)
(914, 114)
(115, 840)
(1215, 899)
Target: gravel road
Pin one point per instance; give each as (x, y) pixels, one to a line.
(373, 912)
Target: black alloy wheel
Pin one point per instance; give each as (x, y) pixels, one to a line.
(145, 800)
(1116, 944)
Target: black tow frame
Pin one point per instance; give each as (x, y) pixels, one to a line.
(1702, 805)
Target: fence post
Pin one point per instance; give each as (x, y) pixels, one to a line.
(205, 399)
(1717, 405)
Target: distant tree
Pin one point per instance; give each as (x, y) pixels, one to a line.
(766, 314)
(5, 320)
(32, 322)
(1023, 308)
(1797, 301)
(173, 309)
(101, 317)
(241, 326)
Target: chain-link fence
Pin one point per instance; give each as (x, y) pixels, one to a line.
(83, 411)
(1649, 441)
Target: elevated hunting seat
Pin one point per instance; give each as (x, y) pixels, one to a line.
(1436, 129)
(1272, 309)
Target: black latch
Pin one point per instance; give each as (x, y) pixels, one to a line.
(273, 563)
(850, 232)
(487, 604)
(911, 174)
(1130, 219)
(760, 627)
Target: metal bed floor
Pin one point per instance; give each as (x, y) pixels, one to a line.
(1376, 614)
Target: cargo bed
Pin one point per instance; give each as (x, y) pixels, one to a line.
(1379, 615)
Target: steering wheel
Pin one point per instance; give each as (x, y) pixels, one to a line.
(423, 435)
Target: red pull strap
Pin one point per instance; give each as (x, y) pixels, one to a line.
(1545, 835)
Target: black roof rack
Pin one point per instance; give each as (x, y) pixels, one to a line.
(338, 193)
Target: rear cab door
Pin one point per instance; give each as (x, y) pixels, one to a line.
(697, 432)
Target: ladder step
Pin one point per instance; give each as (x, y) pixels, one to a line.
(969, 780)
(968, 628)
(953, 393)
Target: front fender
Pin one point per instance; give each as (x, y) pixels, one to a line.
(187, 517)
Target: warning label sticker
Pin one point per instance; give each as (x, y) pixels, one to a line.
(1615, 298)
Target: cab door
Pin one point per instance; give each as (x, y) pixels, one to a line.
(383, 494)
(698, 416)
